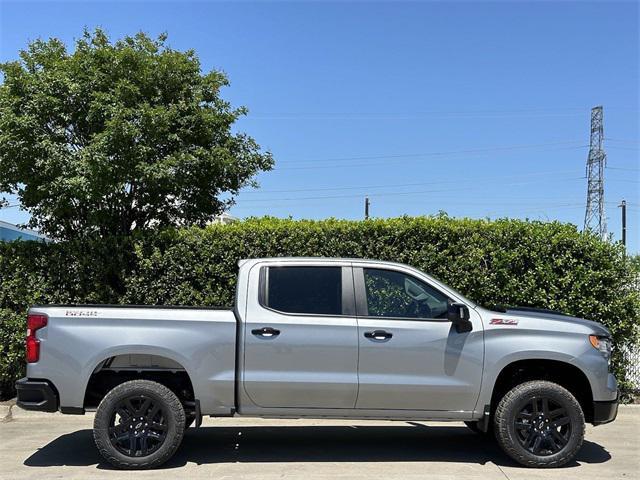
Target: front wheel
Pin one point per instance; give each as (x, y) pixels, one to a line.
(139, 424)
(540, 424)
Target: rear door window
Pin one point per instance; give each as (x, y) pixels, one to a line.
(306, 290)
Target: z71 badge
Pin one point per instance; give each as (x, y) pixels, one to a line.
(503, 321)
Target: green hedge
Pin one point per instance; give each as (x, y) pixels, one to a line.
(509, 262)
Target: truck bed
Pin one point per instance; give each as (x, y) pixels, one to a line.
(198, 341)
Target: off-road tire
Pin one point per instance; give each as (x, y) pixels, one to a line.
(175, 424)
(508, 409)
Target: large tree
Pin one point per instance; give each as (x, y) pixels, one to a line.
(117, 137)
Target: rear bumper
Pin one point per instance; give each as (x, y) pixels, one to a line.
(37, 395)
(605, 412)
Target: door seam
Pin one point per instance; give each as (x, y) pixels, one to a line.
(353, 284)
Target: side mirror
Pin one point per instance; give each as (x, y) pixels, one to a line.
(458, 314)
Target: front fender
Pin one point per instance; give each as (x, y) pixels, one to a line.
(565, 347)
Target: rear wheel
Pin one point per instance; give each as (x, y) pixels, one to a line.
(139, 424)
(540, 424)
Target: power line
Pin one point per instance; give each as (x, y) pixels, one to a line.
(624, 180)
(382, 194)
(384, 164)
(619, 147)
(537, 112)
(549, 206)
(616, 140)
(623, 168)
(435, 182)
(438, 153)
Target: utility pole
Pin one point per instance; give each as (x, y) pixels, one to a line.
(366, 208)
(623, 205)
(594, 217)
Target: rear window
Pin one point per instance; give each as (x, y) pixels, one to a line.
(313, 290)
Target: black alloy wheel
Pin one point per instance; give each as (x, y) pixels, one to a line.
(543, 426)
(138, 426)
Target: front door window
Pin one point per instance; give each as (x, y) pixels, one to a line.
(393, 294)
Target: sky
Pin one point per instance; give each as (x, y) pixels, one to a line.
(479, 109)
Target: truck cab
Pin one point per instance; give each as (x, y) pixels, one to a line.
(371, 338)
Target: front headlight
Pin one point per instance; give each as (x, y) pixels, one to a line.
(602, 344)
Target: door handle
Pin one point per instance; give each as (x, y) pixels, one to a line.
(378, 335)
(266, 332)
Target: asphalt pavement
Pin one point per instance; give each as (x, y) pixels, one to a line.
(37, 445)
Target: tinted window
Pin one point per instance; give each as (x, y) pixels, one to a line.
(395, 294)
(305, 289)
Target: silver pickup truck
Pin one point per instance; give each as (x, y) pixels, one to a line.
(322, 338)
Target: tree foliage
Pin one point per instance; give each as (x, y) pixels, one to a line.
(508, 262)
(117, 137)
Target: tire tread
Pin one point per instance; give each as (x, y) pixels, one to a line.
(502, 420)
(173, 403)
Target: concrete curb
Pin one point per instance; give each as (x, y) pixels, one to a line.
(6, 410)
(5, 413)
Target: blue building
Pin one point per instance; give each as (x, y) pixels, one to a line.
(10, 232)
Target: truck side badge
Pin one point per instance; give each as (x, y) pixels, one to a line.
(503, 321)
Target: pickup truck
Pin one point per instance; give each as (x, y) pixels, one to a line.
(322, 338)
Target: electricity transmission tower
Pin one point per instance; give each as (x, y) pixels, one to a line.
(594, 217)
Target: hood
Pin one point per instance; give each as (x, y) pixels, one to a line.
(597, 327)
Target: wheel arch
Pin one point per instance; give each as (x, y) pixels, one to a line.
(117, 365)
(559, 371)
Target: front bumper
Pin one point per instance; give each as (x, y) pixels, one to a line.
(37, 395)
(605, 412)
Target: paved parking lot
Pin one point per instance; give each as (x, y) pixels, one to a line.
(39, 446)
